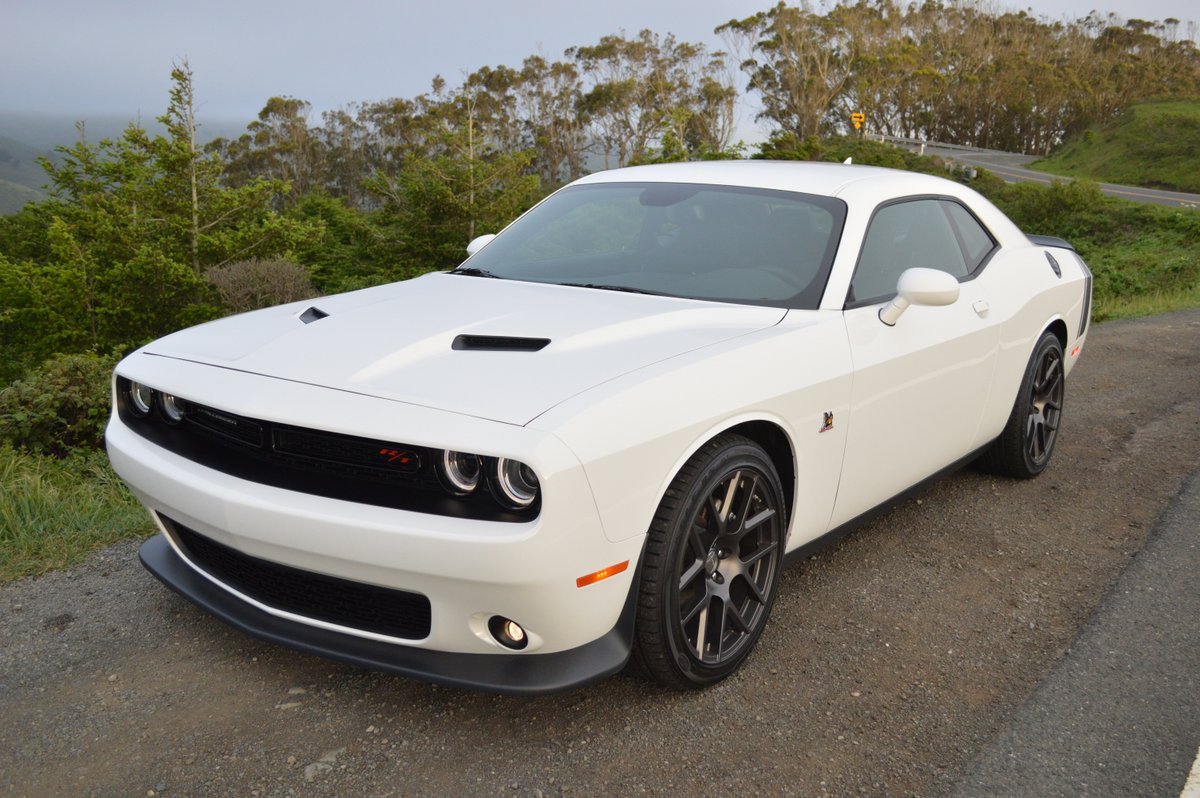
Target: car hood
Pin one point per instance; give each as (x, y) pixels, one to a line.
(398, 341)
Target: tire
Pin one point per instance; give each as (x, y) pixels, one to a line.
(1024, 448)
(709, 576)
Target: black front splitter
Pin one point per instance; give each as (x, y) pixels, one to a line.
(514, 674)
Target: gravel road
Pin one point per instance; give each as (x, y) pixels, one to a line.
(890, 661)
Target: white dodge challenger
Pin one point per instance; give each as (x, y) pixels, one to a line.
(603, 435)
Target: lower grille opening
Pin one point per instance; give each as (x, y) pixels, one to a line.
(396, 613)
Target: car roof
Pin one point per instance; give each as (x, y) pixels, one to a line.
(829, 179)
(862, 187)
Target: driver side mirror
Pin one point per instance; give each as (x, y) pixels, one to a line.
(930, 287)
(479, 243)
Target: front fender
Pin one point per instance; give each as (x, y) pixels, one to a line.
(633, 434)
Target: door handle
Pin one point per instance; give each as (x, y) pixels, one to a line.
(981, 307)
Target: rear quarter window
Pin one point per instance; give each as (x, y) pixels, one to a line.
(976, 242)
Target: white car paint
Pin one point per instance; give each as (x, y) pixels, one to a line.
(606, 415)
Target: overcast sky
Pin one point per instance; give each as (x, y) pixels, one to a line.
(82, 57)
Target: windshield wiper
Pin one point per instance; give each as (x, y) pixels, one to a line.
(471, 271)
(626, 288)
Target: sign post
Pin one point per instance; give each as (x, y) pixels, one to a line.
(858, 117)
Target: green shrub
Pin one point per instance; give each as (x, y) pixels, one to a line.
(61, 407)
(1067, 209)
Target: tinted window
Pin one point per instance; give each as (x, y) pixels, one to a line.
(976, 241)
(724, 243)
(902, 236)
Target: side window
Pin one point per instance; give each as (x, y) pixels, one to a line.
(901, 236)
(976, 242)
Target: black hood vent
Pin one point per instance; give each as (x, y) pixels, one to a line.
(499, 343)
(314, 313)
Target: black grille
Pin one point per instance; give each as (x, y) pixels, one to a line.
(396, 613)
(348, 467)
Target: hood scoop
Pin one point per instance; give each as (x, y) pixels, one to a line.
(499, 343)
(314, 313)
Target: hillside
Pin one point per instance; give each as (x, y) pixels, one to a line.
(1154, 144)
(13, 196)
(21, 177)
(25, 137)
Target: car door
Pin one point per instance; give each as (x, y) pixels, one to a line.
(919, 386)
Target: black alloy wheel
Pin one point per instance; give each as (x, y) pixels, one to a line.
(1045, 407)
(1024, 448)
(712, 565)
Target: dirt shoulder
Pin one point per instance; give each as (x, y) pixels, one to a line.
(890, 660)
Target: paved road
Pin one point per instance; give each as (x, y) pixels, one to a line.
(1011, 168)
(1120, 714)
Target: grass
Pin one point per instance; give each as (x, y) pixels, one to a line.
(1148, 304)
(1154, 144)
(53, 513)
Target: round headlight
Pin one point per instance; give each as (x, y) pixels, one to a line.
(141, 399)
(172, 408)
(461, 471)
(517, 483)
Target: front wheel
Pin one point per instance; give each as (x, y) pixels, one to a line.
(712, 563)
(1024, 447)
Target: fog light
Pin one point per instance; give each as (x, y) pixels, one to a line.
(171, 407)
(460, 471)
(141, 399)
(516, 482)
(508, 633)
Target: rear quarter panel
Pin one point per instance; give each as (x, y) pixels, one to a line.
(1028, 298)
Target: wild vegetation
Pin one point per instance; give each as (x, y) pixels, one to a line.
(145, 233)
(1151, 143)
(54, 512)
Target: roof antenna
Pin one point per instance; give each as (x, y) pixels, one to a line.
(848, 160)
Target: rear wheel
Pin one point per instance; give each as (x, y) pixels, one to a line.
(1024, 448)
(712, 563)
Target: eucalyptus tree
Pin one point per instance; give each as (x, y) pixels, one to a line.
(463, 175)
(277, 145)
(639, 91)
(548, 101)
(799, 62)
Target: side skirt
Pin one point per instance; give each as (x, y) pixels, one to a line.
(836, 534)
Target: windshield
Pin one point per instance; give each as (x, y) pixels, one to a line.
(730, 244)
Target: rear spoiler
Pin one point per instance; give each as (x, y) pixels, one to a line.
(1050, 241)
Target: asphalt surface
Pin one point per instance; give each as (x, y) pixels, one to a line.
(890, 664)
(1120, 714)
(1011, 168)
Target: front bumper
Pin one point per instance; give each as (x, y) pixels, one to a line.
(518, 675)
(469, 570)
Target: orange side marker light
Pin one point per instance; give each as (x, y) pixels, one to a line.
(603, 573)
